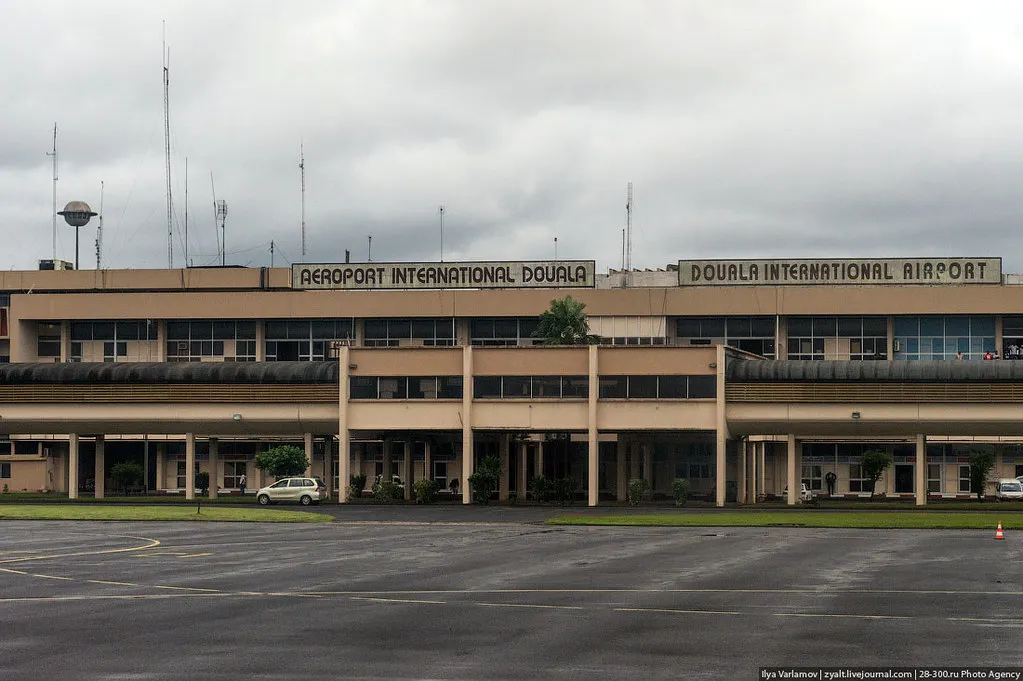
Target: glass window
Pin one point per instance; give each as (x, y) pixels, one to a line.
(812, 477)
(423, 328)
(506, 328)
(449, 387)
(671, 387)
(575, 386)
(486, 386)
(964, 479)
(103, 330)
(393, 387)
(276, 329)
(422, 387)
(687, 327)
(644, 387)
(399, 328)
(546, 386)
(934, 477)
(482, 328)
(703, 387)
(363, 387)
(202, 330)
(858, 482)
(613, 387)
(800, 326)
(5, 471)
(81, 331)
(375, 328)
(48, 348)
(516, 386)
(712, 327)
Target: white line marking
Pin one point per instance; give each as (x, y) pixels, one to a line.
(685, 612)
(68, 579)
(824, 614)
(531, 605)
(396, 600)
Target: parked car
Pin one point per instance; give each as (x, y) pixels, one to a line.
(1009, 488)
(303, 490)
(805, 494)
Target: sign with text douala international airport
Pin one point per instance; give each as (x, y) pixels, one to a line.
(838, 271)
(434, 275)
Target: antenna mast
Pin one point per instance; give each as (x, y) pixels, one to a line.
(99, 230)
(167, 152)
(215, 221)
(442, 233)
(628, 230)
(221, 207)
(186, 212)
(301, 167)
(54, 155)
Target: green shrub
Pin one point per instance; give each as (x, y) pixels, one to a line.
(541, 489)
(425, 491)
(125, 474)
(202, 482)
(388, 492)
(875, 462)
(981, 464)
(680, 491)
(639, 491)
(563, 491)
(356, 483)
(484, 482)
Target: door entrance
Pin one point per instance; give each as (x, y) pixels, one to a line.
(903, 478)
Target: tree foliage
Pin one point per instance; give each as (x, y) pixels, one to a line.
(485, 480)
(875, 462)
(282, 461)
(564, 323)
(981, 464)
(125, 474)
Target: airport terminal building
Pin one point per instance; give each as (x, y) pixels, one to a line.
(744, 377)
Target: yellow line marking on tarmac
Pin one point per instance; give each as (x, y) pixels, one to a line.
(825, 614)
(50, 577)
(685, 612)
(103, 581)
(186, 588)
(194, 555)
(531, 605)
(153, 544)
(397, 600)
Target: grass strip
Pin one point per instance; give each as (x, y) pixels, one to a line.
(851, 519)
(160, 512)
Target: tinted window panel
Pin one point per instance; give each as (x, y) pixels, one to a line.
(363, 387)
(277, 330)
(762, 326)
(800, 326)
(612, 387)
(482, 328)
(516, 386)
(575, 386)
(850, 327)
(739, 327)
(103, 331)
(506, 328)
(393, 388)
(875, 326)
(81, 331)
(643, 387)
(245, 330)
(422, 328)
(298, 330)
(399, 328)
(702, 386)
(712, 327)
(486, 386)
(375, 328)
(223, 330)
(449, 387)
(546, 386)
(671, 387)
(687, 327)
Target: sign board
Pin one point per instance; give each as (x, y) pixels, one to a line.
(440, 275)
(859, 271)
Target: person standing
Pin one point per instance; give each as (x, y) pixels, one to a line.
(241, 484)
(830, 479)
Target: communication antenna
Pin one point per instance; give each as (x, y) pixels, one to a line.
(186, 212)
(442, 233)
(555, 248)
(271, 253)
(216, 231)
(301, 167)
(99, 230)
(167, 149)
(221, 207)
(369, 254)
(628, 230)
(54, 155)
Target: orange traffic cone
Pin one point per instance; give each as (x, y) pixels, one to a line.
(998, 531)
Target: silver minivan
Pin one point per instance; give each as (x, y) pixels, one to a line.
(303, 490)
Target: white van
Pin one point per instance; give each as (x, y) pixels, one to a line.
(1009, 489)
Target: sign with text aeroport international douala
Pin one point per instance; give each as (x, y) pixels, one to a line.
(840, 271)
(425, 275)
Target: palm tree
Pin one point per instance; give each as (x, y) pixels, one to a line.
(564, 323)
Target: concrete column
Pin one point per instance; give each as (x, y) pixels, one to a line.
(648, 463)
(190, 465)
(72, 466)
(740, 470)
(65, 341)
(593, 464)
(621, 479)
(523, 470)
(761, 467)
(427, 463)
(101, 467)
(214, 446)
(721, 430)
(388, 457)
(161, 343)
(406, 469)
(344, 445)
(260, 341)
(467, 450)
(633, 448)
(502, 491)
(921, 470)
(308, 442)
(999, 330)
(538, 461)
(751, 477)
(891, 338)
(161, 465)
(793, 479)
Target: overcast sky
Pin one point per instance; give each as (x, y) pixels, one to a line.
(749, 129)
